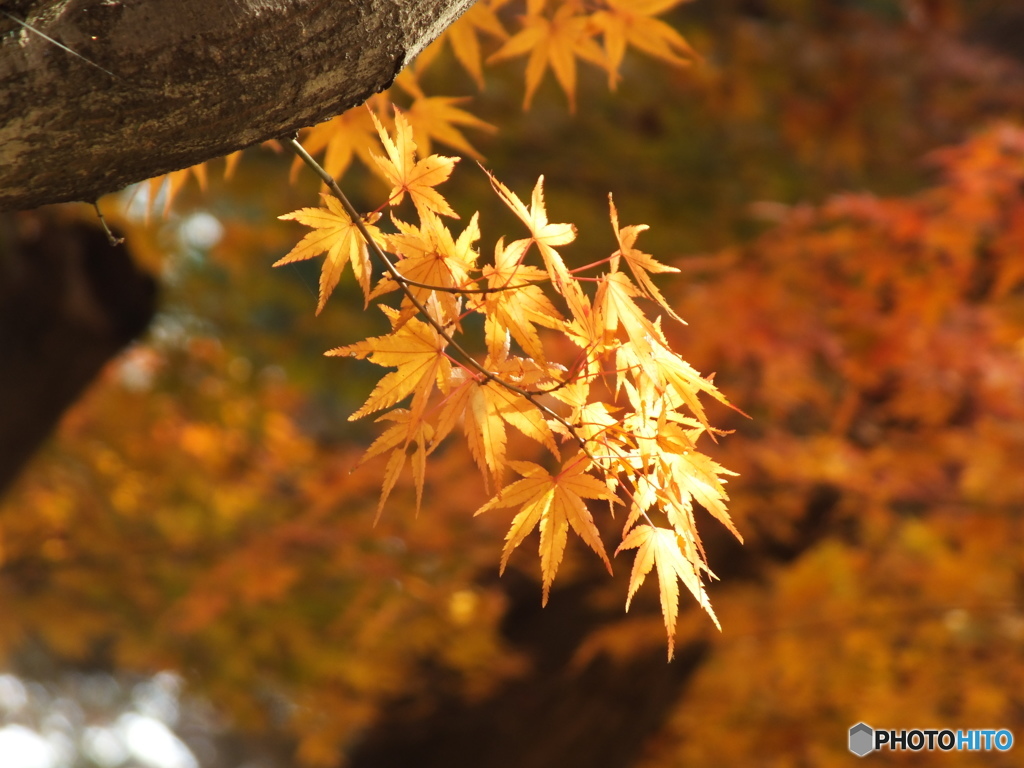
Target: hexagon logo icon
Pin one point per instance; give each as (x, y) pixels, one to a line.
(862, 739)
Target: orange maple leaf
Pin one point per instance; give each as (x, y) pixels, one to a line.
(396, 439)
(343, 137)
(516, 311)
(660, 547)
(406, 174)
(438, 118)
(486, 406)
(431, 256)
(555, 41)
(545, 234)
(630, 21)
(171, 185)
(640, 263)
(336, 234)
(554, 503)
(464, 36)
(417, 351)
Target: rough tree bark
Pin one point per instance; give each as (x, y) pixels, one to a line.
(158, 85)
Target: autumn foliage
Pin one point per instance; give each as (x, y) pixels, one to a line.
(494, 370)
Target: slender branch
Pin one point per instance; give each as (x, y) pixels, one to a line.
(357, 220)
(111, 237)
(571, 376)
(462, 291)
(592, 264)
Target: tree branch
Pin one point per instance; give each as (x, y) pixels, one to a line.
(153, 86)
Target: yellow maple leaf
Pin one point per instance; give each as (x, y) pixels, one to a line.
(417, 351)
(614, 300)
(676, 474)
(464, 36)
(343, 137)
(554, 503)
(516, 311)
(598, 424)
(640, 263)
(335, 234)
(485, 407)
(396, 439)
(661, 372)
(631, 22)
(555, 41)
(660, 547)
(406, 174)
(692, 475)
(439, 118)
(545, 234)
(484, 429)
(586, 328)
(429, 255)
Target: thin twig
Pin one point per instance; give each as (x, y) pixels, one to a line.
(59, 44)
(461, 291)
(111, 237)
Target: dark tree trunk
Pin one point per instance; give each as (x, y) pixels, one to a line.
(69, 301)
(557, 714)
(158, 85)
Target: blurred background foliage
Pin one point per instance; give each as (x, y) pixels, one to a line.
(842, 187)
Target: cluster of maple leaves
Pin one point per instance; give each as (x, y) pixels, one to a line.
(621, 419)
(638, 434)
(556, 34)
